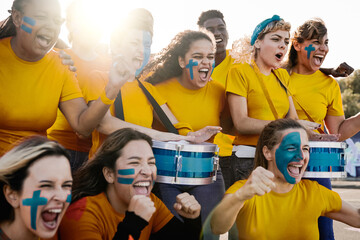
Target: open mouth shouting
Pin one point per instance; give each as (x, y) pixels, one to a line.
(295, 170)
(279, 56)
(142, 187)
(49, 218)
(318, 59)
(203, 73)
(45, 40)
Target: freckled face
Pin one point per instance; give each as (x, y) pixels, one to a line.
(44, 195)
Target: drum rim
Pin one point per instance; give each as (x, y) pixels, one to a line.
(204, 147)
(323, 144)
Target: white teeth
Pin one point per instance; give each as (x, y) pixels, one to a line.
(299, 166)
(55, 210)
(319, 56)
(142, 184)
(204, 70)
(218, 40)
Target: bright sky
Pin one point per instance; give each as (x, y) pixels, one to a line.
(241, 17)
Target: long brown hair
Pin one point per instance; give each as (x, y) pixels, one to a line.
(89, 179)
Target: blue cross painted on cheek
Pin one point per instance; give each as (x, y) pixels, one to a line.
(34, 202)
(68, 199)
(190, 66)
(309, 49)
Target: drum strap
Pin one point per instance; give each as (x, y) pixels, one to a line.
(266, 93)
(162, 115)
(293, 96)
(119, 111)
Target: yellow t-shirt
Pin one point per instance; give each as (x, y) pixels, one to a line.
(94, 218)
(292, 215)
(224, 141)
(61, 131)
(137, 109)
(30, 93)
(243, 81)
(199, 108)
(318, 94)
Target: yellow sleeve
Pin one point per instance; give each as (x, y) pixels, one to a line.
(70, 89)
(235, 82)
(331, 199)
(183, 128)
(335, 108)
(236, 186)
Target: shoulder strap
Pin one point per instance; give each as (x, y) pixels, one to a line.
(266, 93)
(119, 111)
(297, 101)
(164, 119)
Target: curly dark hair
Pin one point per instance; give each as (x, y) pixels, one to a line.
(165, 65)
(209, 15)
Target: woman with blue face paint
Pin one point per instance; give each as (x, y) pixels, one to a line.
(112, 196)
(255, 94)
(34, 83)
(35, 183)
(84, 35)
(133, 38)
(317, 96)
(274, 202)
(181, 73)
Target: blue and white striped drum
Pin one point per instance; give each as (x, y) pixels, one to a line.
(327, 160)
(185, 163)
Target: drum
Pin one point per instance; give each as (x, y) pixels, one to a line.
(327, 160)
(185, 163)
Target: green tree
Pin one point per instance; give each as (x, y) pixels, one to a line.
(350, 91)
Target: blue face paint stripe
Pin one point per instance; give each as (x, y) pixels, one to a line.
(34, 202)
(29, 21)
(129, 171)
(309, 49)
(68, 199)
(125, 180)
(26, 28)
(147, 51)
(190, 66)
(213, 67)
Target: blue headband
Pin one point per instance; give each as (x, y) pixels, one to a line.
(261, 27)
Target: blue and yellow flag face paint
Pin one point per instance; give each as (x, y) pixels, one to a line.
(126, 176)
(190, 66)
(147, 41)
(29, 23)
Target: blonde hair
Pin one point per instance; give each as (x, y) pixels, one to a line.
(14, 166)
(242, 50)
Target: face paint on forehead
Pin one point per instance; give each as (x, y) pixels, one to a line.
(309, 49)
(147, 41)
(29, 21)
(190, 66)
(126, 172)
(34, 202)
(288, 151)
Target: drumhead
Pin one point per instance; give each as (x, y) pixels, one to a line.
(185, 146)
(322, 144)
